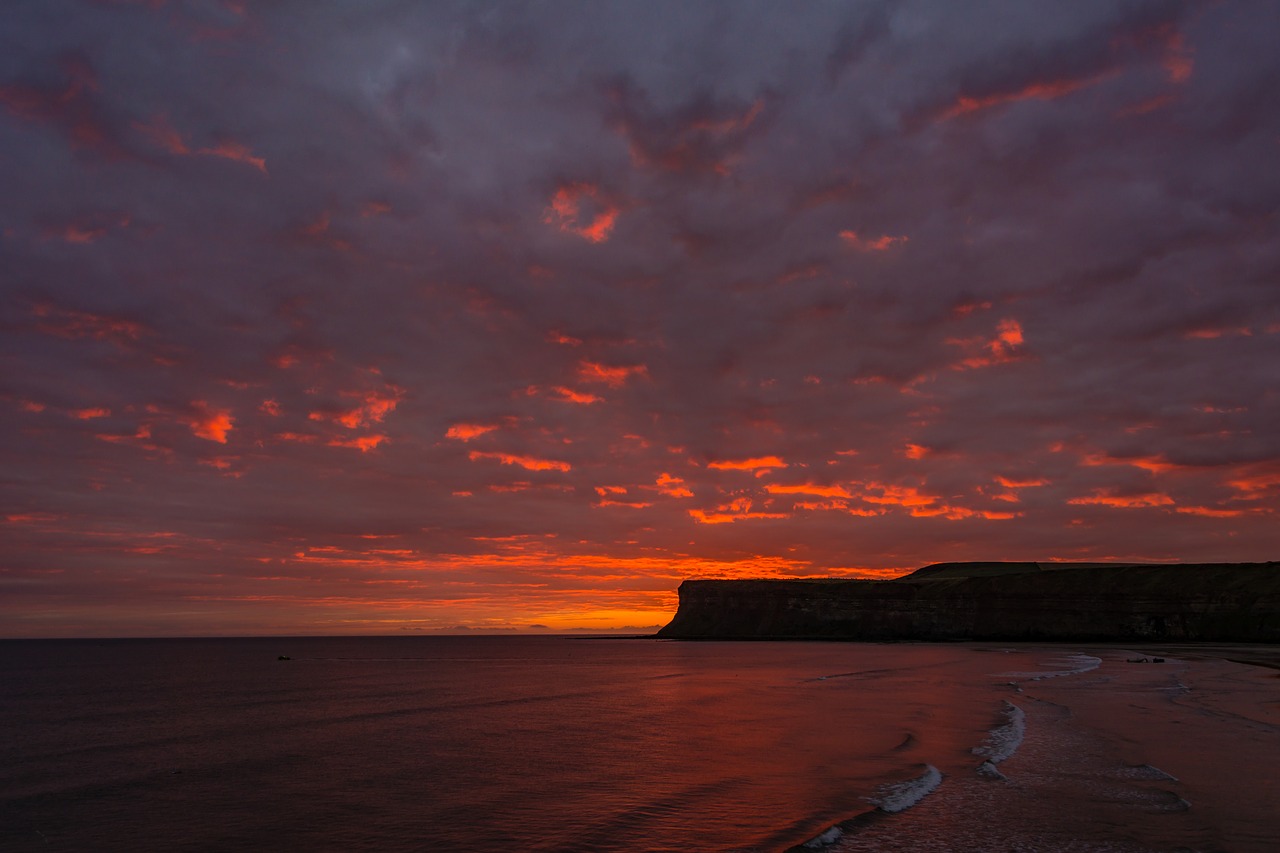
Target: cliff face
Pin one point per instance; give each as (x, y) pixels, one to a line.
(996, 601)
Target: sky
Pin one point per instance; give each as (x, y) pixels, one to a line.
(382, 317)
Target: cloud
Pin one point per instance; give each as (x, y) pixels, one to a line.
(530, 463)
(211, 423)
(840, 288)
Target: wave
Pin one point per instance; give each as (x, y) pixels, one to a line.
(1075, 664)
(831, 836)
(903, 795)
(1002, 741)
(1146, 773)
(889, 799)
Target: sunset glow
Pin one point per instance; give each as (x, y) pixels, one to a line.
(511, 318)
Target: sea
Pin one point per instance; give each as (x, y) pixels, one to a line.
(550, 743)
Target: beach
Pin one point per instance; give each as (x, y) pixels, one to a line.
(561, 744)
(1158, 748)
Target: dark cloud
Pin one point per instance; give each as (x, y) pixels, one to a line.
(340, 318)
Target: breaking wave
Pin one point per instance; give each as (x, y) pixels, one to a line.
(1002, 741)
(901, 796)
(1074, 665)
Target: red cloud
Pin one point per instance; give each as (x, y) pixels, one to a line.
(1102, 497)
(877, 244)
(672, 486)
(373, 407)
(1042, 90)
(575, 202)
(1256, 484)
(530, 463)
(568, 395)
(163, 134)
(1212, 512)
(73, 325)
(752, 464)
(1010, 483)
(612, 375)
(72, 106)
(698, 137)
(466, 432)
(363, 443)
(736, 510)
(1154, 464)
(808, 489)
(229, 149)
(1005, 347)
(210, 423)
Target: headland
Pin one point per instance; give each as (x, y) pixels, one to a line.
(1049, 601)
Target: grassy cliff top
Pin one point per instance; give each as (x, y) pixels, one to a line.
(939, 571)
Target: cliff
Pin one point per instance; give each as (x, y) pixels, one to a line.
(1223, 602)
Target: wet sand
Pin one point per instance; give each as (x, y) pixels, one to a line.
(1129, 757)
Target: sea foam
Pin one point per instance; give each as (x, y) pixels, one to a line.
(903, 795)
(1075, 664)
(827, 838)
(1002, 741)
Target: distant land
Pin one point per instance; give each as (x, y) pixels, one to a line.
(1101, 602)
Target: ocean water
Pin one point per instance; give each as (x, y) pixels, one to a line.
(569, 744)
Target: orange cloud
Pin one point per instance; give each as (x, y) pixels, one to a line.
(1044, 90)
(466, 432)
(1256, 485)
(90, 414)
(736, 510)
(210, 423)
(837, 506)
(530, 463)
(1005, 347)
(1010, 483)
(363, 443)
(904, 496)
(808, 489)
(141, 437)
(672, 486)
(1154, 464)
(271, 408)
(916, 451)
(575, 202)
(1102, 497)
(752, 464)
(373, 407)
(568, 395)
(879, 244)
(1211, 512)
(612, 375)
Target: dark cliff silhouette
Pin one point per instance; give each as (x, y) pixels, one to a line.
(1232, 602)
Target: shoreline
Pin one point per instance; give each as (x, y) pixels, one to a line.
(1149, 756)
